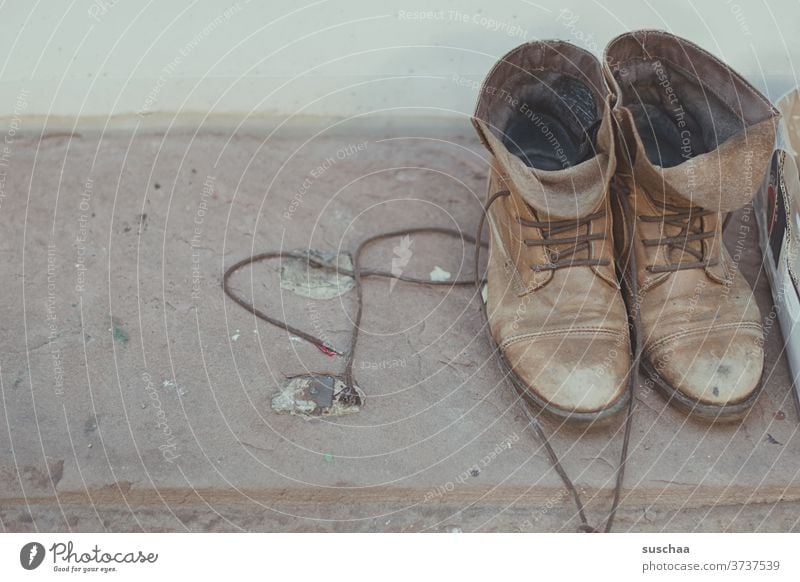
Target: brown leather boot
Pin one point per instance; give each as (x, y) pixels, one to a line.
(554, 304)
(695, 144)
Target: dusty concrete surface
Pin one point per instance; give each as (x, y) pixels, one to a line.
(135, 396)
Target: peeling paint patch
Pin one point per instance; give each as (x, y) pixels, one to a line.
(317, 395)
(119, 334)
(439, 274)
(317, 282)
(170, 385)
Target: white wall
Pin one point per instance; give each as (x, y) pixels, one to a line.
(335, 57)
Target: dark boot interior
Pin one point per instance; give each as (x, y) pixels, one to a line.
(676, 116)
(554, 122)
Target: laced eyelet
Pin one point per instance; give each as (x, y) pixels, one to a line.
(682, 219)
(579, 242)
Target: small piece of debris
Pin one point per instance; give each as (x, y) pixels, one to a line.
(235, 336)
(771, 440)
(780, 415)
(317, 395)
(328, 458)
(328, 351)
(119, 335)
(475, 472)
(167, 384)
(90, 425)
(439, 274)
(89, 445)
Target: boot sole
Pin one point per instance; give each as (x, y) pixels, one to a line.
(695, 408)
(596, 419)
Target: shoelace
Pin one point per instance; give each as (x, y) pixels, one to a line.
(621, 194)
(559, 259)
(684, 219)
(359, 273)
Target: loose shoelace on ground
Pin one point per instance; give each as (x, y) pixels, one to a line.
(358, 273)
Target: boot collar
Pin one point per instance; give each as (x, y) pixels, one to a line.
(575, 191)
(739, 137)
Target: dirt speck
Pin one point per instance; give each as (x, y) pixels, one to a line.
(772, 440)
(119, 335)
(90, 425)
(40, 478)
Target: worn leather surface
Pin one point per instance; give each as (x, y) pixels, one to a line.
(564, 332)
(701, 328)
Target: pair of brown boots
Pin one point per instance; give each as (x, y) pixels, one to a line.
(685, 141)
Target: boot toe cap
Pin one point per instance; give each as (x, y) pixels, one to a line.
(721, 371)
(572, 375)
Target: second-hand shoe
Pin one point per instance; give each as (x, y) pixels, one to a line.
(553, 299)
(695, 144)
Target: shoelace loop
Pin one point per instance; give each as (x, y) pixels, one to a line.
(560, 259)
(685, 219)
